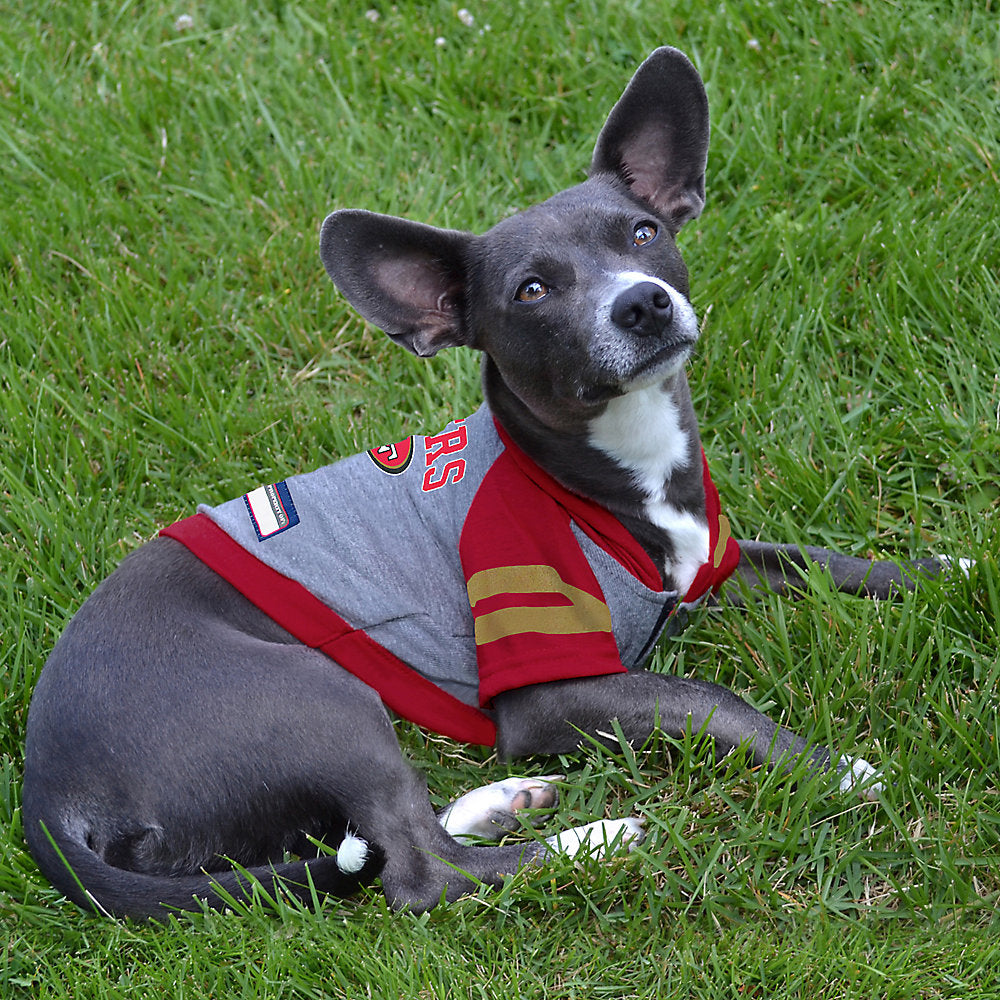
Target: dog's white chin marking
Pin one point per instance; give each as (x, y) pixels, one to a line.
(641, 431)
(352, 854)
(596, 839)
(857, 775)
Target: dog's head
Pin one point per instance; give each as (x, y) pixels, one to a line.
(574, 301)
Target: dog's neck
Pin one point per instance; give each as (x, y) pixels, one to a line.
(640, 458)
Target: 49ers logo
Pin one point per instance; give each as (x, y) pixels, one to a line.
(395, 458)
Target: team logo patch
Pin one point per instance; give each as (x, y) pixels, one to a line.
(271, 509)
(393, 458)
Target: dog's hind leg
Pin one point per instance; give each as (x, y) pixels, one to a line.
(349, 766)
(424, 863)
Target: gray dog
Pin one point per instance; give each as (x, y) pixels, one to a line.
(222, 697)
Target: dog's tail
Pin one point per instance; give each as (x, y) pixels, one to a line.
(70, 864)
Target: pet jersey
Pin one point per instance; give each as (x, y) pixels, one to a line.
(443, 570)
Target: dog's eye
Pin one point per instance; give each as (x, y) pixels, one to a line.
(644, 234)
(532, 290)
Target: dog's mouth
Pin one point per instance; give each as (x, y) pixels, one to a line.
(668, 358)
(592, 395)
(665, 361)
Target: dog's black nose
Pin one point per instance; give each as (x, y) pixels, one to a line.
(645, 309)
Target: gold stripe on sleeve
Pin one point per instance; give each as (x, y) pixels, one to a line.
(585, 613)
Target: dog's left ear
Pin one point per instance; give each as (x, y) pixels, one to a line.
(406, 278)
(656, 137)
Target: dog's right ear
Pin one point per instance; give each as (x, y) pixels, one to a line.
(656, 137)
(406, 278)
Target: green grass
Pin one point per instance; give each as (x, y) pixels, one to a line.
(168, 336)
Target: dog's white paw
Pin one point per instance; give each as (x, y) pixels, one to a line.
(596, 839)
(956, 563)
(352, 854)
(488, 811)
(857, 775)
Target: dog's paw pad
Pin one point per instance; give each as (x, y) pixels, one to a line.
(530, 793)
(492, 809)
(352, 854)
(598, 839)
(858, 776)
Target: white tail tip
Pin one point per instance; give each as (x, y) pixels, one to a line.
(352, 854)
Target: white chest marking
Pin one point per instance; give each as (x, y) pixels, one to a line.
(641, 431)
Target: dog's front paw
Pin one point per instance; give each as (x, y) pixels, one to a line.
(956, 563)
(489, 811)
(857, 775)
(597, 839)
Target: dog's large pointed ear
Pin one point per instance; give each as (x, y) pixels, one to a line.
(656, 137)
(406, 278)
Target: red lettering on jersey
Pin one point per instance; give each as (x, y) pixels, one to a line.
(448, 442)
(450, 472)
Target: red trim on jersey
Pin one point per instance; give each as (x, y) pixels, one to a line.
(722, 558)
(311, 622)
(605, 530)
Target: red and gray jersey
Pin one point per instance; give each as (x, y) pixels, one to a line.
(444, 570)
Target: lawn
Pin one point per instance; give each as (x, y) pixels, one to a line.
(168, 336)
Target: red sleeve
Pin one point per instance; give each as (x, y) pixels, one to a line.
(540, 614)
